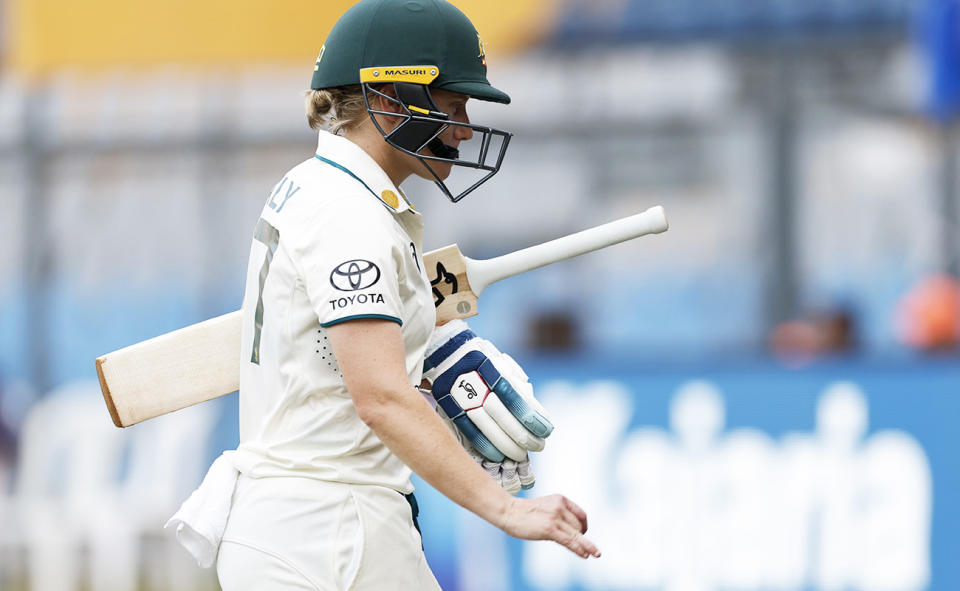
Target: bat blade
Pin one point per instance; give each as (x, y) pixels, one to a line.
(202, 361)
(172, 371)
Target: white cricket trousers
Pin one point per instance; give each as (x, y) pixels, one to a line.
(301, 533)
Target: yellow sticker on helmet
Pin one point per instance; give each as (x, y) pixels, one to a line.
(414, 74)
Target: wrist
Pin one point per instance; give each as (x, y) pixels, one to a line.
(504, 508)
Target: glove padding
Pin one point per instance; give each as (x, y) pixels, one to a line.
(486, 395)
(510, 475)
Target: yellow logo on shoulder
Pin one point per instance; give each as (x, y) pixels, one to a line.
(414, 74)
(390, 198)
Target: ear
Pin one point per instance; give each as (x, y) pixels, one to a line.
(382, 104)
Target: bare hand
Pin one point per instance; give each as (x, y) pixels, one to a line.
(554, 517)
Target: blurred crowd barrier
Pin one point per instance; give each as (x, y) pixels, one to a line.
(84, 503)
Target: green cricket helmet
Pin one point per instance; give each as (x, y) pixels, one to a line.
(415, 45)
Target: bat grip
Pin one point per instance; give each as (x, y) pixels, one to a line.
(482, 273)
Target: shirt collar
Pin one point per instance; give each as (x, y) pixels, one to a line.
(337, 150)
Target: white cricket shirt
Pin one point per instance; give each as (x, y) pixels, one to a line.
(336, 241)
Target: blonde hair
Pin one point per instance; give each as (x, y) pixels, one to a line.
(336, 109)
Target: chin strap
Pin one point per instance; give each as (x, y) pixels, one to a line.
(442, 150)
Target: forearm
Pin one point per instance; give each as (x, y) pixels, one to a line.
(406, 424)
(371, 357)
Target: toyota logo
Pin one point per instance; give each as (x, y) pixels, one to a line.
(354, 275)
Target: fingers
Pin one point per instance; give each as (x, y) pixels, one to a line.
(509, 479)
(571, 529)
(580, 514)
(477, 439)
(579, 545)
(513, 401)
(571, 521)
(525, 390)
(452, 409)
(517, 392)
(525, 472)
(501, 441)
(492, 468)
(549, 518)
(536, 423)
(495, 411)
(511, 426)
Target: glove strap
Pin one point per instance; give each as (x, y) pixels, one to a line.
(447, 349)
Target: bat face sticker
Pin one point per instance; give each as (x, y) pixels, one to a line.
(443, 276)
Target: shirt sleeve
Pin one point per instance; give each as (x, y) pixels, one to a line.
(350, 261)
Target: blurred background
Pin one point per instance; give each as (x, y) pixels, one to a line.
(762, 398)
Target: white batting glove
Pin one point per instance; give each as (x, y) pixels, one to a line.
(510, 475)
(488, 397)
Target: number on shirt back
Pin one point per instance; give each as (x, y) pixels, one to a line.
(269, 237)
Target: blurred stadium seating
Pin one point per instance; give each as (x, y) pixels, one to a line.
(608, 22)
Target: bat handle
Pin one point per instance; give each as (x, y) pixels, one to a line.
(482, 273)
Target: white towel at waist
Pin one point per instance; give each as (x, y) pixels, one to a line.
(202, 518)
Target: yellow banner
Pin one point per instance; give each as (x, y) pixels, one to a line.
(47, 35)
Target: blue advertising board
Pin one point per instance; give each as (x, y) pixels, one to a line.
(735, 477)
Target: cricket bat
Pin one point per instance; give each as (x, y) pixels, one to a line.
(202, 361)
